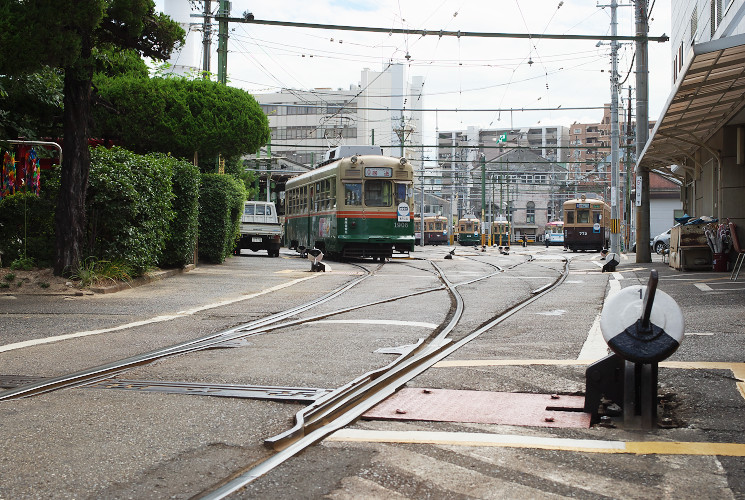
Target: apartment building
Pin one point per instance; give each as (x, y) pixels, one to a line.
(305, 123)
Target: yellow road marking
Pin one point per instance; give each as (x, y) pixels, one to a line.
(737, 369)
(537, 442)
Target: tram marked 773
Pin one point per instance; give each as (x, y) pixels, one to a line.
(586, 224)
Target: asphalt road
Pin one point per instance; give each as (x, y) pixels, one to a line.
(105, 443)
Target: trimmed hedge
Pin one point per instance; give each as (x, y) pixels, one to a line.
(30, 218)
(220, 209)
(128, 207)
(181, 240)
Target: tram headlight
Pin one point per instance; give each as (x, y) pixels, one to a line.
(353, 159)
(402, 161)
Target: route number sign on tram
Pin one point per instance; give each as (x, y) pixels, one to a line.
(378, 172)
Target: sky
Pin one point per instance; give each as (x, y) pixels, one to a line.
(463, 73)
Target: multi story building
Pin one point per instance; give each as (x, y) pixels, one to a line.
(382, 110)
(459, 151)
(700, 136)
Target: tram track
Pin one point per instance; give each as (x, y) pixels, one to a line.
(101, 372)
(332, 410)
(346, 404)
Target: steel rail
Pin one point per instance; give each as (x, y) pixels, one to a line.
(98, 373)
(341, 408)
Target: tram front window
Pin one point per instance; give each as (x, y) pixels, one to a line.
(378, 193)
(401, 193)
(570, 216)
(583, 216)
(596, 217)
(353, 194)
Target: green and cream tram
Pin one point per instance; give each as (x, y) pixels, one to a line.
(469, 230)
(352, 206)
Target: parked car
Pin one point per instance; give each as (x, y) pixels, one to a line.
(633, 246)
(661, 241)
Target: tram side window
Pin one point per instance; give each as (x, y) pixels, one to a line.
(583, 216)
(570, 216)
(353, 194)
(378, 193)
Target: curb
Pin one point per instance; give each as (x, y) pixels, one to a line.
(142, 280)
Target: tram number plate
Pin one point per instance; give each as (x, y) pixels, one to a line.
(582, 233)
(256, 239)
(400, 224)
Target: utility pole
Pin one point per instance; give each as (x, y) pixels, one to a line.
(643, 253)
(222, 42)
(628, 173)
(614, 143)
(206, 39)
(483, 197)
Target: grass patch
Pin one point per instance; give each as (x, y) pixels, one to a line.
(9, 277)
(94, 272)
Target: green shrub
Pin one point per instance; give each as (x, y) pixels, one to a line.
(128, 207)
(27, 223)
(221, 200)
(184, 227)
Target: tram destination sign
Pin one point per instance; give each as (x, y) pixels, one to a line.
(583, 205)
(378, 172)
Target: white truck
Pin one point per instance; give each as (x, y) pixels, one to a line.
(260, 228)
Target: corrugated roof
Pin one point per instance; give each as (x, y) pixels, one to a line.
(707, 95)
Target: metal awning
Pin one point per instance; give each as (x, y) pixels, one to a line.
(708, 94)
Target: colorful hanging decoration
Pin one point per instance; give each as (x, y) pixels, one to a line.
(33, 182)
(8, 175)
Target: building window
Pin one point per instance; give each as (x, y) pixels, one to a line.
(694, 24)
(530, 217)
(716, 15)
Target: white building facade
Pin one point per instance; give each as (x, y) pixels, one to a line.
(700, 137)
(384, 109)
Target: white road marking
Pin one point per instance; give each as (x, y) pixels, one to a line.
(156, 319)
(555, 312)
(703, 287)
(378, 322)
(595, 346)
(474, 439)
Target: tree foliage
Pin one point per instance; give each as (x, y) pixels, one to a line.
(181, 117)
(31, 105)
(66, 35)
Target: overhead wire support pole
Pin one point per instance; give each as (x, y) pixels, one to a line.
(441, 33)
(643, 252)
(222, 42)
(614, 137)
(206, 39)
